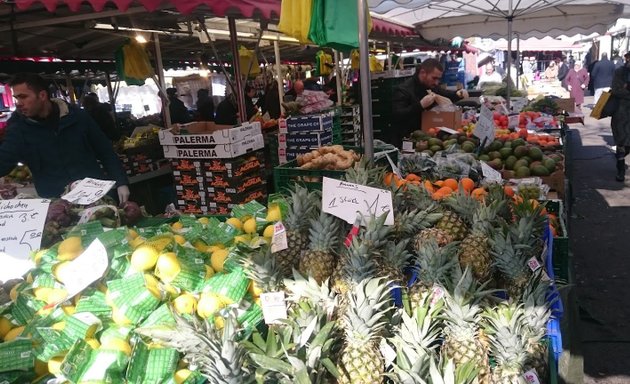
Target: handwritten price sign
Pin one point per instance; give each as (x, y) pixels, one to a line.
(344, 200)
(21, 226)
(88, 191)
(484, 129)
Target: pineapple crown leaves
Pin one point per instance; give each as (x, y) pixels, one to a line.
(365, 172)
(485, 217)
(446, 372)
(364, 319)
(261, 267)
(324, 233)
(536, 310)
(418, 334)
(376, 232)
(509, 258)
(302, 205)
(464, 289)
(359, 263)
(434, 263)
(508, 342)
(395, 254)
(411, 222)
(463, 205)
(320, 296)
(217, 353)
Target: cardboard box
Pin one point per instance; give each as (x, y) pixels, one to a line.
(309, 139)
(309, 123)
(192, 208)
(191, 194)
(223, 136)
(434, 119)
(238, 198)
(216, 151)
(222, 183)
(259, 195)
(185, 165)
(567, 104)
(236, 167)
(188, 179)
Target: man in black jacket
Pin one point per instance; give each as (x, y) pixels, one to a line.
(416, 95)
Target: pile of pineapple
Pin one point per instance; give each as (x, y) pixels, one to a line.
(454, 292)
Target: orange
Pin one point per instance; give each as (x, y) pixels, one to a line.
(428, 186)
(479, 193)
(432, 131)
(467, 184)
(509, 191)
(442, 193)
(439, 183)
(413, 177)
(452, 184)
(389, 178)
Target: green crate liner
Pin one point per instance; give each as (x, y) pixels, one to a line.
(561, 256)
(155, 221)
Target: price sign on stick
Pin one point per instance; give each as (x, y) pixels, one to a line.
(490, 174)
(484, 129)
(344, 200)
(88, 191)
(21, 227)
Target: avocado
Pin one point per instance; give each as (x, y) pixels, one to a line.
(494, 155)
(462, 138)
(528, 159)
(507, 144)
(496, 164)
(495, 145)
(518, 142)
(510, 162)
(484, 157)
(550, 164)
(522, 172)
(418, 135)
(539, 170)
(535, 153)
(435, 148)
(505, 152)
(521, 163)
(520, 151)
(449, 142)
(509, 174)
(421, 146)
(468, 146)
(435, 142)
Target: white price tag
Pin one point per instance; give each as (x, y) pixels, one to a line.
(531, 377)
(533, 264)
(344, 200)
(274, 307)
(389, 354)
(437, 293)
(490, 174)
(85, 269)
(279, 239)
(485, 129)
(88, 191)
(21, 228)
(450, 131)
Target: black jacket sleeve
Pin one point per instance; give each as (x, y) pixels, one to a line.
(404, 105)
(619, 86)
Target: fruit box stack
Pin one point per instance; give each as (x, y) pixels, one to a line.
(215, 171)
(301, 134)
(142, 159)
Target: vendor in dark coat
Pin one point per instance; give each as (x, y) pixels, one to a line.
(60, 143)
(620, 121)
(205, 106)
(416, 95)
(102, 116)
(179, 112)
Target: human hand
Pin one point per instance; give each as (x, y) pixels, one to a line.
(428, 100)
(569, 87)
(462, 93)
(123, 194)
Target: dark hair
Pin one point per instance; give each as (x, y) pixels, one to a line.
(171, 91)
(90, 101)
(248, 88)
(429, 65)
(32, 80)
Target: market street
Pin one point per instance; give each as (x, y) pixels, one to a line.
(600, 238)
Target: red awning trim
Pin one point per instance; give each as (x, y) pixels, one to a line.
(390, 28)
(247, 8)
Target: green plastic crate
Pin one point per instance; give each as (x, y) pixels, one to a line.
(561, 256)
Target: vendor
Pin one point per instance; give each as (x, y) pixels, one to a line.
(60, 143)
(416, 95)
(490, 76)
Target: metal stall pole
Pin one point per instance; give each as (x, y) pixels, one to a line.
(366, 90)
(338, 76)
(276, 52)
(240, 92)
(518, 59)
(161, 82)
(509, 59)
(110, 92)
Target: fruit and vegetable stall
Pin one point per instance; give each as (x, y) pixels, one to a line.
(439, 262)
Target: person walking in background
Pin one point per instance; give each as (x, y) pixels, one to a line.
(577, 81)
(270, 101)
(563, 70)
(102, 116)
(602, 76)
(551, 72)
(250, 108)
(205, 106)
(227, 111)
(620, 122)
(179, 112)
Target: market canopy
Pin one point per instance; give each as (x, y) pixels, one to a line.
(529, 18)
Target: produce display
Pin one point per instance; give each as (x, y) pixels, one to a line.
(454, 291)
(20, 174)
(333, 157)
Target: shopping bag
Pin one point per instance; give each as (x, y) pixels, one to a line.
(605, 107)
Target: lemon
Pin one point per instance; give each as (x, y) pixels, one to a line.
(138, 241)
(234, 222)
(171, 290)
(57, 295)
(167, 267)
(203, 220)
(5, 326)
(132, 234)
(209, 272)
(274, 213)
(92, 342)
(200, 245)
(14, 333)
(144, 258)
(54, 365)
(268, 232)
(218, 258)
(219, 322)
(254, 289)
(212, 248)
(152, 285)
(29, 278)
(250, 226)
(69, 309)
(179, 239)
(209, 304)
(41, 368)
(37, 258)
(177, 226)
(13, 294)
(182, 375)
(61, 271)
(59, 326)
(119, 317)
(41, 293)
(241, 239)
(70, 248)
(185, 304)
(116, 344)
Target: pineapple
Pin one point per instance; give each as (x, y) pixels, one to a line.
(441, 236)
(474, 249)
(361, 360)
(452, 224)
(365, 172)
(508, 343)
(215, 352)
(456, 219)
(318, 260)
(464, 341)
(393, 261)
(433, 266)
(262, 269)
(301, 208)
(409, 223)
(536, 316)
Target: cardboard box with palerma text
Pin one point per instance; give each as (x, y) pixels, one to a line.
(448, 119)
